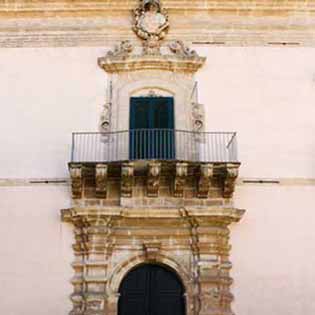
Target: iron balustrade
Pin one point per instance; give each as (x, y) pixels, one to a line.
(154, 144)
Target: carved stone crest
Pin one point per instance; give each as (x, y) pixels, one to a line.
(150, 20)
(150, 24)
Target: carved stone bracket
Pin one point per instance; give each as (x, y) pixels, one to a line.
(153, 181)
(101, 180)
(206, 174)
(230, 179)
(180, 179)
(76, 180)
(151, 250)
(127, 179)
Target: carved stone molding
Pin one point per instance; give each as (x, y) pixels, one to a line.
(101, 180)
(229, 183)
(167, 62)
(180, 179)
(127, 179)
(76, 180)
(206, 174)
(153, 180)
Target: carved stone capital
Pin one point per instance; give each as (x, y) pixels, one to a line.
(230, 179)
(153, 181)
(180, 179)
(206, 174)
(151, 250)
(127, 179)
(76, 180)
(101, 180)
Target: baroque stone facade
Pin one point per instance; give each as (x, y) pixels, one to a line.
(174, 213)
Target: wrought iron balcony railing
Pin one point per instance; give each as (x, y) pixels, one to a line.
(154, 144)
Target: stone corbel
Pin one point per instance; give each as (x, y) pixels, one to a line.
(230, 179)
(127, 179)
(153, 182)
(206, 174)
(151, 250)
(76, 180)
(180, 179)
(101, 180)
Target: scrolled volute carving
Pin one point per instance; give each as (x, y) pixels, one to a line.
(179, 48)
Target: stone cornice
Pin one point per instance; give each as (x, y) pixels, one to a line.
(102, 23)
(226, 214)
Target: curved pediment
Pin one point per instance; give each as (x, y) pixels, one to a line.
(177, 58)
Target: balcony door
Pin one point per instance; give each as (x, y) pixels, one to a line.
(152, 128)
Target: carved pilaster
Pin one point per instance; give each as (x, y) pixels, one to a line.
(230, 179)
(153, 181)
(180, 179)
(206, 174)
(127, 179)
(101, 180)
(76, 180)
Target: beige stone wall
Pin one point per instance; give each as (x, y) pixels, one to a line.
(216, 22)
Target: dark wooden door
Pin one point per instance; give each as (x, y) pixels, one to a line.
(152, 128)
(151, 290)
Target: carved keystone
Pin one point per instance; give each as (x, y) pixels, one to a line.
(153, 182)
(76, 180)
(127, 179)
(206, 174)
(230, 179)
(151, 250)
(180, 179)
(101, 180)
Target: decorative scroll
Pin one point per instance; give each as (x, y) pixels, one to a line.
(153, 182)
(179, 48)
(206, 174)
(124, 49)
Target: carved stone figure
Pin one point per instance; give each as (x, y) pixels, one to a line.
(127, 172)
(180, 179)
(153, 181)
(229, 183)
(206, 173)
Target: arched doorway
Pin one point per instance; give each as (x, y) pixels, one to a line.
(151, 290)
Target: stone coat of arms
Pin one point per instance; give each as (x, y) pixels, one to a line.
(151, 22)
